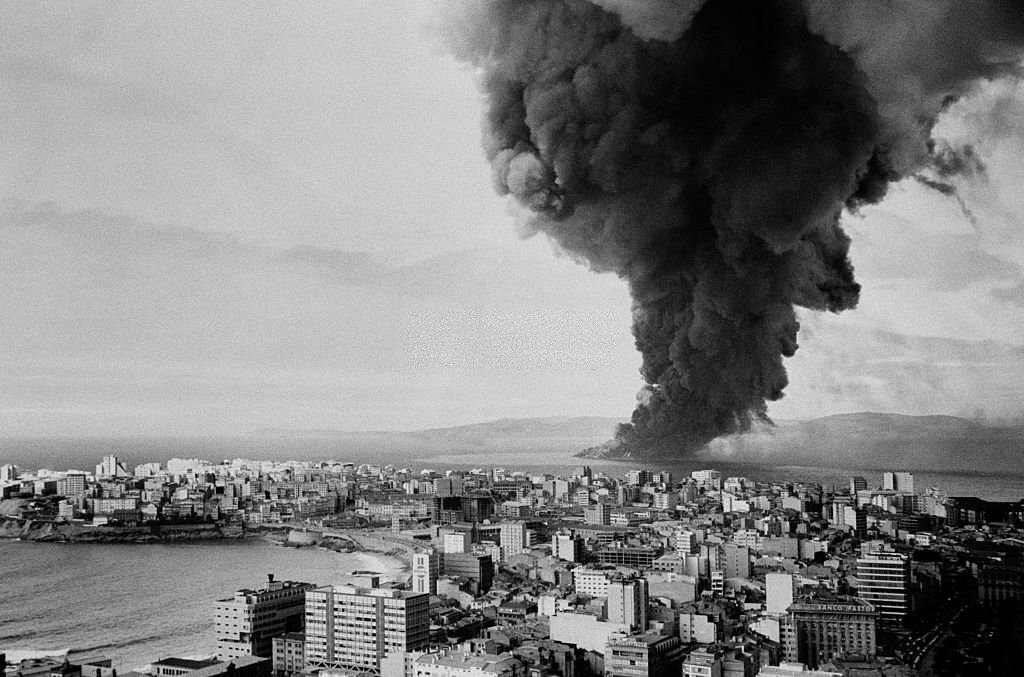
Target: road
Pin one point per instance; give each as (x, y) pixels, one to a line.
(921, 655)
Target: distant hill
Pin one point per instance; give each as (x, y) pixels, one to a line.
(511, 435)
(860, 440)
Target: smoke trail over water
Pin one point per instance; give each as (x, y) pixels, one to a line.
(704, 151)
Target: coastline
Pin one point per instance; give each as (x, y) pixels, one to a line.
(185, 576)
(375, 554)
(46, 531)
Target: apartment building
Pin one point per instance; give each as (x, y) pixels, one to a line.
(352, 629)
(246, 624)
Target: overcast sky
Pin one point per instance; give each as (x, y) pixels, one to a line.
(219, 217)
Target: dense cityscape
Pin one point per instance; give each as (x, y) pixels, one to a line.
(659, 338)
(509, 574)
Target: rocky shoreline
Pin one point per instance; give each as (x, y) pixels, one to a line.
(46, 531)
(49, 531)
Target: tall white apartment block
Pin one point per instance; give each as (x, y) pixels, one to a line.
(111, 467)
(71, 485)
(718, 582)
(424, 572)
(352, 629)
(884, 582)
(686, 542)
(627, 603)
(736, 560)
(568, 547)
(513, 539)
(898, 481)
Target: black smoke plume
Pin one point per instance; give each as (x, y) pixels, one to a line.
(704, 151)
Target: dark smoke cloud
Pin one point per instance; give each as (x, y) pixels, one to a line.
(704, 151)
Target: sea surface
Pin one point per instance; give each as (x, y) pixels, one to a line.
(139, 603)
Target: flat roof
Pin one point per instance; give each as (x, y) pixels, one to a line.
(185, 663)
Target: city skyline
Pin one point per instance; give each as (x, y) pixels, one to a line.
(217, 219)
(700, 567)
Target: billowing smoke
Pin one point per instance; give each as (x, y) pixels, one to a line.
(704, 151)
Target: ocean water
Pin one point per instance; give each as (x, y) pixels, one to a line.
(139, 603)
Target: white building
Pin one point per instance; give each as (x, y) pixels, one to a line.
(718, 582)
(736, 560)
(513, 538)
(246, 623)
(457, 542)
(591, 582)
(583, 630)
(352, 629)
(786, 669)
(146, 470)
(568, 547)
(711, 479)
(464, 664)
(898, 481)
(779, 592)
(424, 572)
(627, 603)
(664, 500)
(697, 628)
(111, 467)
(731, 503)
(686, 541)
(749, 538)
(884, 582)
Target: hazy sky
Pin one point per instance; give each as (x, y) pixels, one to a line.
(219, 217)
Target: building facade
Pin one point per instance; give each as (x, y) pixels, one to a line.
(424, 572)
(479, 568)
(644, 655)
(817, 631)
(703, 662)
(351, 629)
(246, 624)
(884, 582)
(289, 654)
(627, 603)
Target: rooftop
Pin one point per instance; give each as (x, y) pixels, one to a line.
(186, 663)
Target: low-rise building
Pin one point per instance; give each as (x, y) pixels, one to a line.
(816, 631)
(289, 654)
(644, 655)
